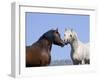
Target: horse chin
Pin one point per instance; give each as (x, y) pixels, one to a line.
(62, 45)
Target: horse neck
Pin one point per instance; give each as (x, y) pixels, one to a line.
(74, 44)
(45, 43)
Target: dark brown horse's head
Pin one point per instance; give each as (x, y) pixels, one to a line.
(54, 37)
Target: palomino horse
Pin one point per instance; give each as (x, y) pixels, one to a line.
(38, 54)
(79, 51)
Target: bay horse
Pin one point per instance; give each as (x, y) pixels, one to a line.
(39, 53)
(79, 50)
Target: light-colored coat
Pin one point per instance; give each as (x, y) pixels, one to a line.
(79, 51)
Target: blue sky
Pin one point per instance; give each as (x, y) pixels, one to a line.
(39, 23)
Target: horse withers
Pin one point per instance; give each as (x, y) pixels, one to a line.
(39, 53)
(79, 50)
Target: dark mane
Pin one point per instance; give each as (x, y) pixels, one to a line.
(39, 53)
(47, 35)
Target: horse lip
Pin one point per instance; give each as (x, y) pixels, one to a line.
(62, 44)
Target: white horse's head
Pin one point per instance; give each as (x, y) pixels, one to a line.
(69, 36)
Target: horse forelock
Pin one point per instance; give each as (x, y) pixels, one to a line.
(72, 35)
